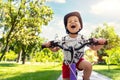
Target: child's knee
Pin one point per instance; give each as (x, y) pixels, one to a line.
(88, 66)
(85, 65)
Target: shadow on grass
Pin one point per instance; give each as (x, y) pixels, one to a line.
(39, 75)
(8, 64)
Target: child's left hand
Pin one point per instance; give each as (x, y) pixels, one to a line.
(101, 41)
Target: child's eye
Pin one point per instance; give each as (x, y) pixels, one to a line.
(69, 21)
(72, 21)
(76, 21)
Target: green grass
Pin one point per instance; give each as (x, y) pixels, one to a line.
(112, 73)
(47, 71)
(39, 71)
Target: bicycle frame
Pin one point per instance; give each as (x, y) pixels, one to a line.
(73, 71)
(73, 75)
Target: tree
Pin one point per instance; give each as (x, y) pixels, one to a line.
(113, 39)
(22, 21)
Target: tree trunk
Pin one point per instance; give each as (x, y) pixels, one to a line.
(19, 56)
(23, 57)
(4, 51)
(7, 42)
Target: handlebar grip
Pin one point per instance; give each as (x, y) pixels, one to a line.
(52, 44)
(43, 46)
(105, 43)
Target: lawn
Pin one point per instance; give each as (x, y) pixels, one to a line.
(113, 73)
(33, 71)
(46, 71)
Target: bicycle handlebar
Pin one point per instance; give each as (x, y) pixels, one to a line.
(62, 45)
(88, 42)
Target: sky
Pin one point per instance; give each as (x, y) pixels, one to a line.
(94, 13)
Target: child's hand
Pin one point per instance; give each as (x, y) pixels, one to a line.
(48, 45)
(100, 41)
(55, 49)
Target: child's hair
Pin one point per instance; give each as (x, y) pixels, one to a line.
(72, 14)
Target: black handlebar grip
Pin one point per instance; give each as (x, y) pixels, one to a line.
(97, 43)
(106, 42)
(52, 45)
(43, 46)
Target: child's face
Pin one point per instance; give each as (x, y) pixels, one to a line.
(73, 24)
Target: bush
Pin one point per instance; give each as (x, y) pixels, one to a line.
(47, 56)
(10, 56)
(91, 56)
(113, 56)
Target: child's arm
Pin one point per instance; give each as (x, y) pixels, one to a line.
(48, 44)
(101, 41)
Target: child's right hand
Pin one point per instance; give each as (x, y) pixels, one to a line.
(48, 45)
(55, 49)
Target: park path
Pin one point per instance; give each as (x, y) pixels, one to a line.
(94, 76)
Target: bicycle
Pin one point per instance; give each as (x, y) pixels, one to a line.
(72, 65)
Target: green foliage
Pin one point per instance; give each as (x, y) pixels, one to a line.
(11, 56)
(108, 33)
(111, 50)
(91, 56)
(47, 56)
(21, 21)
(113, 56)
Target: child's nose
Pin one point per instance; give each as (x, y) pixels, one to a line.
(72, 21)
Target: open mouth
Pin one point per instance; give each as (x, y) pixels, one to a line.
(73, 26)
